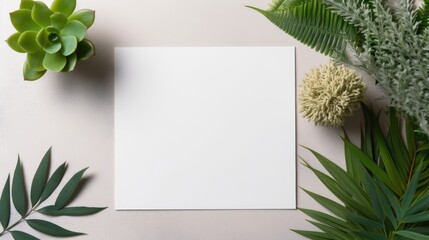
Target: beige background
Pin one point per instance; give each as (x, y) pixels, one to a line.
(74, 114)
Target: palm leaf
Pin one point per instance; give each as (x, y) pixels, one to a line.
(313, 24)
(377, 199)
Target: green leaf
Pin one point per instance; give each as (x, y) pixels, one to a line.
(329, 220)
(372, 236)
(5, 204)
(364, 221)
(69, 211)
(54, 62)
(65, 7)
(372, 167)
(314, 235)
(74, 28)
(397, 147)
(85, 49)
(339, 192)
(420, 204)
(18, 235)
(313, 24)
(19, 195)
(22, 21)
(53, 182)
(390, 197)
(71, 63)
(285, 4)
(69, 45)
(35, 60)
(40, 178)
(373, 196)
(84, 16)
(27, 41)
(416, 218)
(53, 48)
(338, 234)
(31, 74)
(12, 41)
(58, 20)
(69, 189)
(386, 157)
(42, 37)
(327, 203)
(41, 14)
(411, 189)
(343, 179)
(26, 4)
(50, 228)
(412, 235)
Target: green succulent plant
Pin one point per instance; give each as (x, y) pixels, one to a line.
(53, 38)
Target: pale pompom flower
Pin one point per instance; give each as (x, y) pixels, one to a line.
(330, 93)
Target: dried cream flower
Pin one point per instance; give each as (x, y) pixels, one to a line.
(330, 93)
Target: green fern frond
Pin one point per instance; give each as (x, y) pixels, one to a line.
(423, 16)
(277, 5)
(313, 24)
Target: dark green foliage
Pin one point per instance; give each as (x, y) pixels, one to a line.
(383, 192)
(41, 189)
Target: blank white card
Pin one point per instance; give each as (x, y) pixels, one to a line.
(205, 128)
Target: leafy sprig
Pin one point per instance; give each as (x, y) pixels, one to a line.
(42, 187)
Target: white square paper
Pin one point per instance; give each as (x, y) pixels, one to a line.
(205, 128)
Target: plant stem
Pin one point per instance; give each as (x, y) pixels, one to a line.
(6, 230)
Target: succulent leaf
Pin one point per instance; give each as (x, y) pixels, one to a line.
(41, 14)
(54, 62)
(65, 7)
(71, 63)
(42, 37)
(12, 41)
(27, 41)
(84, 16)
(58, 20)
(22, 21)
(52, 48)
(32, 74)
(26, 4)
(69, 45)
(85, 49)
(35, 60)
(74, 28)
